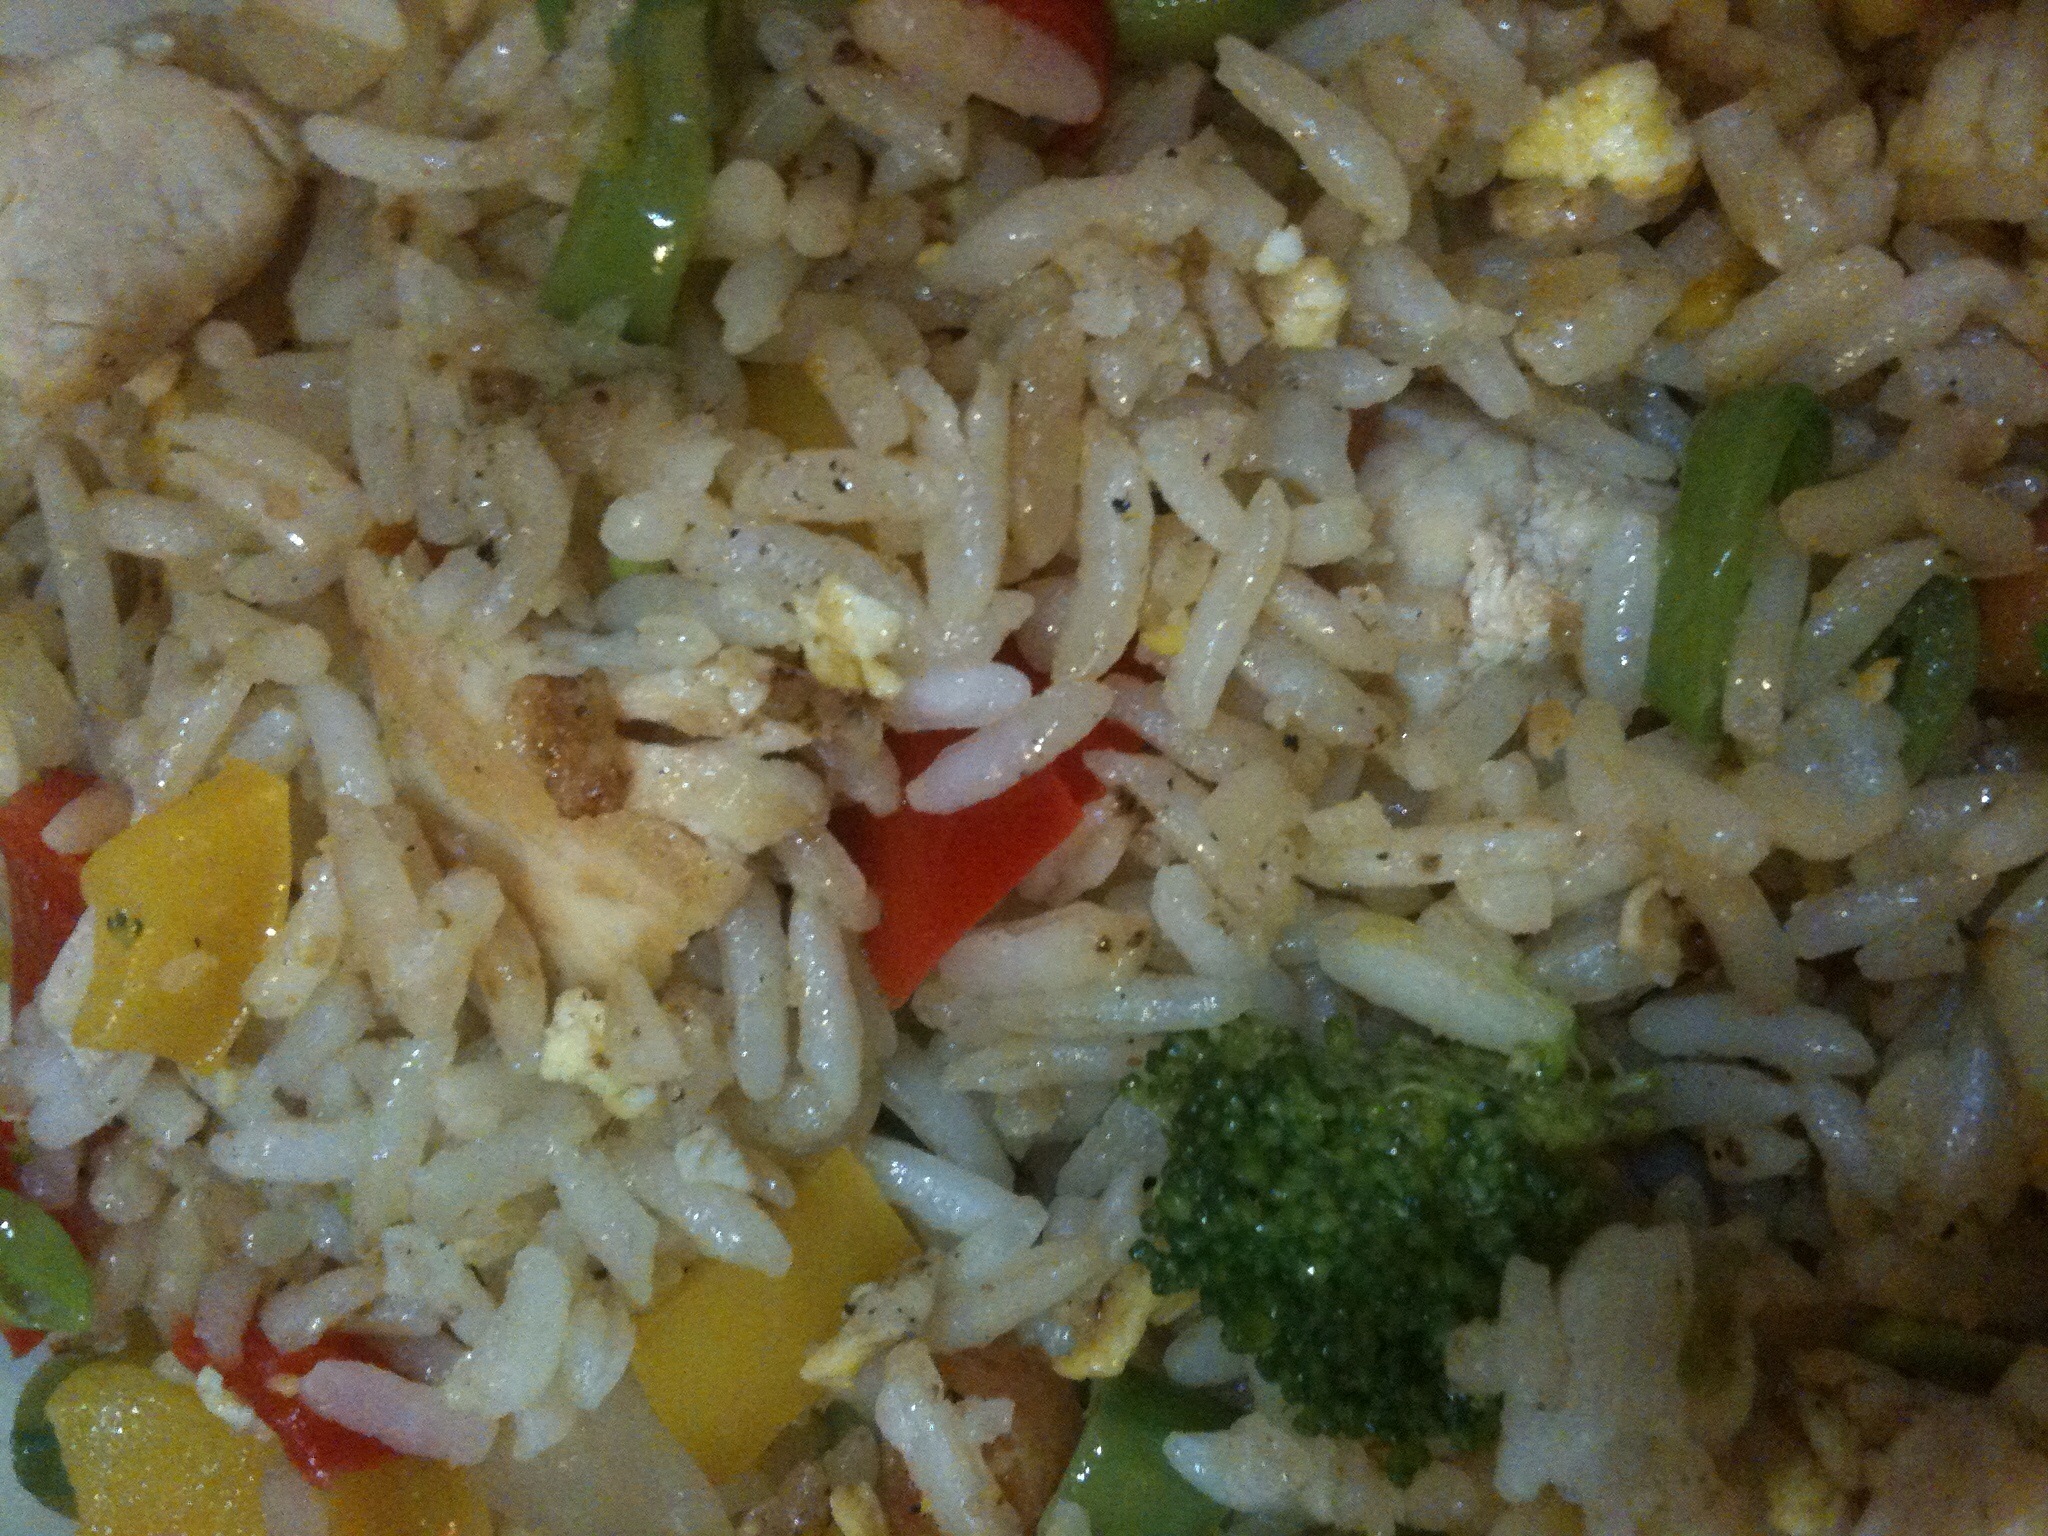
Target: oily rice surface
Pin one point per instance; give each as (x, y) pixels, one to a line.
(1291, 458)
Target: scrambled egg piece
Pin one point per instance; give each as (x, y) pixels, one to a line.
(1710, 299)
(846, 635)
(1801, 1499)
(573, 1050)
(1103, 1344)
(856, 1510)
(877, 1316)
(1165, 639)
(1619, 122)
(1305, 304)
(1873, 685)
(215, 1397)
(708, 1155)
(1281, 251)
(1514, 527)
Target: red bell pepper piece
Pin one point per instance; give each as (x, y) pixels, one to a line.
(320, 1448)
(43, 900)
(1082, 25)
(44, 905)
(2011, 614)
(937, 876)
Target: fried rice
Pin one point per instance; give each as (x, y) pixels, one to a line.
(1275, 453)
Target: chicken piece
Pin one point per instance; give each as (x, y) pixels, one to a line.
(133, 199)
(568, 727)
(1028, 1462)
(1513, 527)
(601, 892)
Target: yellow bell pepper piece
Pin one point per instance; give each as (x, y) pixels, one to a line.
(719, 1355)
(145, 1458)
(186, 898)
(782, 399)
(1710, 299)
(1872, 21)
(405, 1497)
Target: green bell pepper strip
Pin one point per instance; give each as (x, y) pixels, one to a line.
(1936, 640)
(1120, 1474)
(554, 22)
(620, 569)
(44, 1283)
(1157, 31)
(640, 205)
(1746, 453)
(1943, 1353)
(38, 1463)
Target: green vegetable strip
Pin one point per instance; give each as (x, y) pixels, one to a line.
(1120, 1473)
(44, 1283)
(1936, 1351)
(639, 206)
(1937, 668)
(621, 569)
(1153, 31)
(554, 22)
(1746, 453)
(38, 1464)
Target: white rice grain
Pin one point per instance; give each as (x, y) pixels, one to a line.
(299, 1315)
(1346, 155)
(345, 743)
(412, 1419)
(1798, 1039)
(998, 755)
(1853, 609)
(515, 1356)
(963, 698)
(1223, 616)
(915, 1415)
(949, 1123)
(1114, 531)
(618, 1232)
(755, 960)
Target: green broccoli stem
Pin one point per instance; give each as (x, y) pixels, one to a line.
(639, 206)
(1120, 1474)
(1746, 454)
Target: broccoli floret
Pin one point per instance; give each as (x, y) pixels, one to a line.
(1342, 1209)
